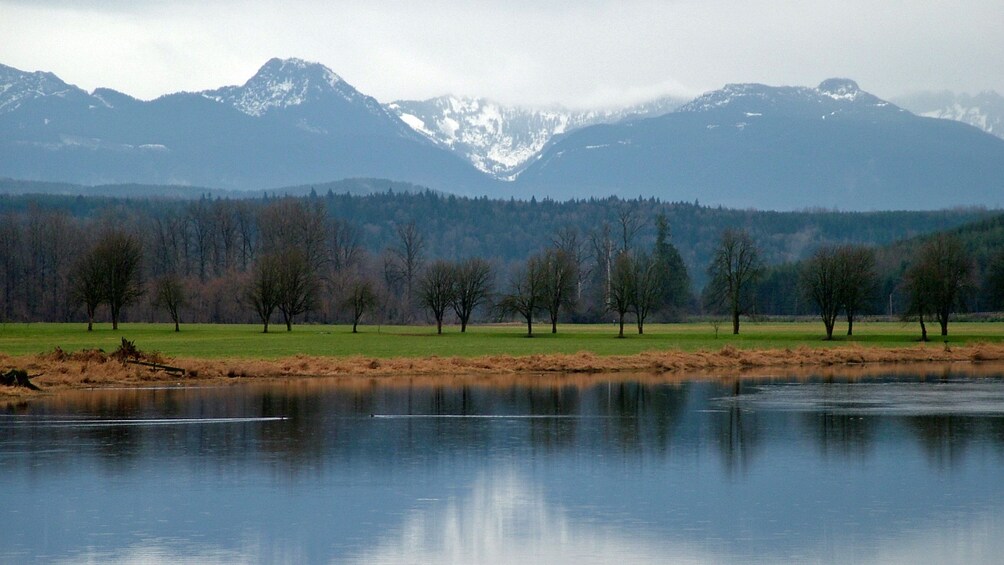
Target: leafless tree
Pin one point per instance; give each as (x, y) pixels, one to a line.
(360, 298)
(169, 294)
(87, 283)
(567, 239)
(526, 290)
(941, 272)
(822, 278)
(345, 245)
(860, 280)
(647, 288)
(473, 280)
(405, 261)
(298, 285)
(436, 290)
(622, 289)
(734, 270)
(631, 223)
(119, 255)
(560, 281)
(264, 287)
(10, 263)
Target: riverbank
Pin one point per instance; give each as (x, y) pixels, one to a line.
(92, 369)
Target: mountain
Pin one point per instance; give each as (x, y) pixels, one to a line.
(751, 145)
(500, 139)
(984, 111)
(294, 122)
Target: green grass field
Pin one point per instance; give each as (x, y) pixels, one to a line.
(247, 341)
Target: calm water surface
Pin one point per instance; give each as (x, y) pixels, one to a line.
(882, 470)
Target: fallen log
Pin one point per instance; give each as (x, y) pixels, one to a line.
(159, 367)
(17, 377)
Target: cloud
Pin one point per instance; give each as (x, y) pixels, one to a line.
(583, 53)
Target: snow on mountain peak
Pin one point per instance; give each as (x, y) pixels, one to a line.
(499, 139)
(18, 87)
(281, 83)
(839, 88)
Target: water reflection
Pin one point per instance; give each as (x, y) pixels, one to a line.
(825, 469)
(505, 518)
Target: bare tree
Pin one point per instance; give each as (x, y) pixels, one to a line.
(119, 255)
(436, 290)
(860, 280)
(473, 280)
(567, 239)
(87, 284)
(560, 282)
(10, 263)
(201, 221)
(630, 223)
(297, 285)
(405, 261)
(345, 245)
(169, 294)
(734, 270)
(526, 291)
(603, 253)
(822, 279)
(263, 291)
(622, 288)
(647, 288)
(941, 272)
(360, 299)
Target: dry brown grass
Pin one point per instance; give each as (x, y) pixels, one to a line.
(58, 370)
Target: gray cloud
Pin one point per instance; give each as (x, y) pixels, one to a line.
(582, 53)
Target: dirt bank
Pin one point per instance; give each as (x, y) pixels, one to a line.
(59, 371)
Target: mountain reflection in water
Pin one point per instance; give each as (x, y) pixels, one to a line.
(879, 469)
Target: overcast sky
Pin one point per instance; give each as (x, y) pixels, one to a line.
(579, 53)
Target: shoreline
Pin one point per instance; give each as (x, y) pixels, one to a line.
(87, 370)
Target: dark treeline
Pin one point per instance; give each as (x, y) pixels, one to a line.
(403, 257)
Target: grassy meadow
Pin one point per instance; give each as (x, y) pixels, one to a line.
(208, 341)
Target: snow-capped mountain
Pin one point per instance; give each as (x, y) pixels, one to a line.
(752, 145)
(292, 123)
(985, 110)
(833, 97)
(500, 139)
(282, 83)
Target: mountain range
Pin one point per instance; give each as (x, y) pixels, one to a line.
(298, 123)
(984, 110)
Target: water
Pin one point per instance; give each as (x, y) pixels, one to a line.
(576, 470)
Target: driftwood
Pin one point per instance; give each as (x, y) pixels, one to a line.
(17, 377)
(158, 367)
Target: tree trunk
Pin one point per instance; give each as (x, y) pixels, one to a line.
(355, 323)
(463, 325)
(529, 326)
(829, 328)
(850, 325)
(944, 326)
(177, 326)
(641, 326)
(265, 331)
(439, 326)
(289, 325)
(554, 325)
(735, 322)
(621, 332)
(923, 329)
